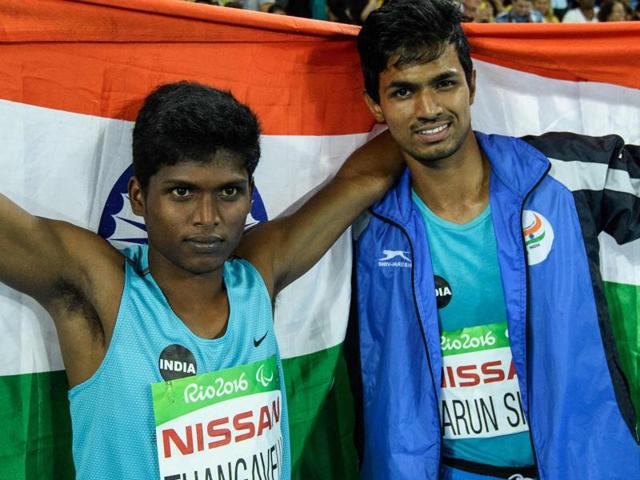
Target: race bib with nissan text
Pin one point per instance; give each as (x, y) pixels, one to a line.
(224, 424)
(480, 392)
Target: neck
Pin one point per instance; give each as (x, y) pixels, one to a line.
(199, 300)
(455, 188)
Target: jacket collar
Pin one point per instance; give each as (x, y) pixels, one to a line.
(515, 165)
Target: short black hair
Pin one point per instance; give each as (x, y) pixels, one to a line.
(187, 121)
(414, 31)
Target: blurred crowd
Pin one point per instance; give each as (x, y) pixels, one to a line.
(485, 11)
(551, 11)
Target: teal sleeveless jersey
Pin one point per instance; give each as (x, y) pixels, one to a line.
(479, 419)
(112, 413)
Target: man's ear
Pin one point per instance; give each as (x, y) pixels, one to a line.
(472, 87)
(136, 196)
(252, 186)
(374, 108)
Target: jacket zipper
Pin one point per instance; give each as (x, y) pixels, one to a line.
(526, 316)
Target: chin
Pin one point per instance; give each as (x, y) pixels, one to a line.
(432, 157)
(437, 152)
(205, 266)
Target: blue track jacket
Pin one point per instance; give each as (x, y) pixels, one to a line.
(575, 398)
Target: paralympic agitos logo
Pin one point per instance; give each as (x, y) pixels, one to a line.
(121, 227)
(538, 236)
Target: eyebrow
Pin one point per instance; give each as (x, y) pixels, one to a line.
(233, 182)
(177, 181)
(449, 74)
(445, 76)
(400, 84)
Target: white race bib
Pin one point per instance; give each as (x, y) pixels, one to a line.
(480, 395)
(225, 424)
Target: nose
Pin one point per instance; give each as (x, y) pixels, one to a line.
(206, 211)
(427, 105)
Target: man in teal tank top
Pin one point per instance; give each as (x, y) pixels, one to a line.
(169, 349)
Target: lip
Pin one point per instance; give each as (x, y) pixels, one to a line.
(205, 243)
(438, 132)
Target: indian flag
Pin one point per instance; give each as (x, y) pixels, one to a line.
(584, 79)
(72, 77)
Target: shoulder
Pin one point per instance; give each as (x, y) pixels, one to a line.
(240, 273)
(503, 146)
(93, 266)
(137, 257)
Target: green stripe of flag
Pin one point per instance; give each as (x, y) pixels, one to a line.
(624, 309)
(321, 417)
(35, 442)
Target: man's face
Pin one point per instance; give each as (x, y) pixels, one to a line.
(470, 8)
(618, 13)
(521, 8)
(541, 5)
(426, 106)
(586, 4)
(195, 212)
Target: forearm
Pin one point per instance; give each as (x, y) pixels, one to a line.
(372, 169)
(286, 248)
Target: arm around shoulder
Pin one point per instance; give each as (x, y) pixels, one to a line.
(284, 249)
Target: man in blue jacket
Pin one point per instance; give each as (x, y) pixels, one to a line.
(485, 344)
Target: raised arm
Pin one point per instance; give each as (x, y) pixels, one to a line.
(70, 271)
(285, 248)
(38, 256)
